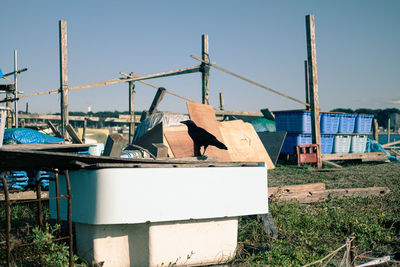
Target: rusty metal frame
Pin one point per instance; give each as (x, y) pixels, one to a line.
(8, 202)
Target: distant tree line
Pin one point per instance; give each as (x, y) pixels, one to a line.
(382, 115)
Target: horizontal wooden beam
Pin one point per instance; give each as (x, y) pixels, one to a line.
(56, 117)
(295, 188)
(146, 77)
(325, 195)
(371, 156)
(391, 144)
(238, 113)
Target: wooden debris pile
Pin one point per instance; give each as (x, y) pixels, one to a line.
(241, 139)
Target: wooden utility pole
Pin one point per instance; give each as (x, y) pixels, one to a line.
(307, 84)
(313, 81)
(16, 87)
(221, 101)
(375, 129)
(131, 110)
(63, 76)
(205, 70)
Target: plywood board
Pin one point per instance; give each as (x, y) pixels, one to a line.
(244, 143)
(155, 135)
(204, 117)
(272, 142)
(179, 141)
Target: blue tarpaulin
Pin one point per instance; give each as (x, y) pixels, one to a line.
(27, 136)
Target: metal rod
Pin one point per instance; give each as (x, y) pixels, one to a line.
(18, 71)
(307, 84)
(39, 198)
(8, 221)
(16, 87)
(250, 81)
(71, 240)
(388, 131)
(57, 199)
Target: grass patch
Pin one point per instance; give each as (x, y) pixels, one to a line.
(308, 232)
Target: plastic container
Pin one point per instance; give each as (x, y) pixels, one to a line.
(358, 143)
(327, 143)
(346, 123)
(363, 123)
(293, 140)
(329, 122)
(295, 122)
(341, 144)
(97, 149)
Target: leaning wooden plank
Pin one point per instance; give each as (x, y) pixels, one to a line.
(204, 117)
(272, 191)
(244, 144)
(391, 144)
(74, 135)
(114, 145)
(330, 163)
(325, 195)
(371, 156)
(54, 129)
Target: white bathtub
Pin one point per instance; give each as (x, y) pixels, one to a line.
(157, 216)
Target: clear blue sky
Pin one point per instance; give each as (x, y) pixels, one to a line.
(358, 51)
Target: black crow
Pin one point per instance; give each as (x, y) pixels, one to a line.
(201, 138)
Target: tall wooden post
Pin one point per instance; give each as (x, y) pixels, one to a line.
(16, 87)
(131, 111)
(307, 84)
(375, 130)
(221, 101)
(313, 81)
(388, 131)
(63, 76)
(205, 70)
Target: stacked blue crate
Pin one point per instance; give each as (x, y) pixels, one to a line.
(298, 126)
(363, 123)
(16, 180)
(347, 123)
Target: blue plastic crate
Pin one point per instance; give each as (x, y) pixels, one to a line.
(329, 122)
(294, 122)
(363, 123)
(293, 140)
(346, 123)
(327, 143)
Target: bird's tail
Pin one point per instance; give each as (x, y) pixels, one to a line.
(220, 145)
